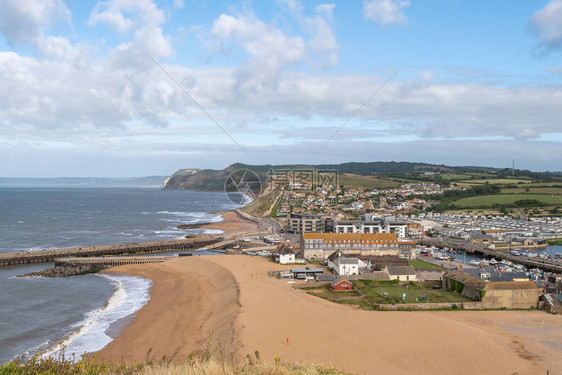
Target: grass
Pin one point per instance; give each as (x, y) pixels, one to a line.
(420, 264)
(490, 200)
(324, 291)
(260, 205)
(378, 293)
(387, 292)
(499, 181)
(367, 182)
(533, 190)
(454, 176)
(554, 241)
(204, 363)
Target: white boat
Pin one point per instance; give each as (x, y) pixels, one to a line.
(474, 263)
(493, 261)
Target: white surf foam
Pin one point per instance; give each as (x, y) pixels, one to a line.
(130, 295)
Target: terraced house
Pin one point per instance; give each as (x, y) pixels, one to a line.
(321, 245)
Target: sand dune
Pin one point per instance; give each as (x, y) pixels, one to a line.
(267, 312)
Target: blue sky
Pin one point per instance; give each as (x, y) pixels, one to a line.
(82, 97)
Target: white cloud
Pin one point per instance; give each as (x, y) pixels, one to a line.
(125, 15)
(385, 12)
(271, 51)
(25, 21)
(546, 23)
(144, 19)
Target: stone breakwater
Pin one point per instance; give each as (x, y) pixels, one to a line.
(65, 271)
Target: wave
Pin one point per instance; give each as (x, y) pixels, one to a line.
(90, 335)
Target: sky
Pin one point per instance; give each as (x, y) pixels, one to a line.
(123, 88)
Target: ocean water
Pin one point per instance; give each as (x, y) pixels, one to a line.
(81, 313)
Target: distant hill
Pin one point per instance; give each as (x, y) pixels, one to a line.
(214, 180)
(149, 181)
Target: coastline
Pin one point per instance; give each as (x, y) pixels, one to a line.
(231, 224)
(246, 310)
(186, 309)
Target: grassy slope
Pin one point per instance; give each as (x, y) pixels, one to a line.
(489, 200)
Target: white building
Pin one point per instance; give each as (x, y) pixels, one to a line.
(345, 266)
(286, 255)
(372, 224)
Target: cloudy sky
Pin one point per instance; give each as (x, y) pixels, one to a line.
(103, 88)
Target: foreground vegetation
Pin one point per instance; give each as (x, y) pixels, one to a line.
(194, 364)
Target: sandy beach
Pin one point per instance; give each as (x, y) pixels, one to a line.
(232, 224)
(247, 311)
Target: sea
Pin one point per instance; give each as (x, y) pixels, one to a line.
(82, 313)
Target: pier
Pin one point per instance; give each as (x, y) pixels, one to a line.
(43, 256)
(546, 265)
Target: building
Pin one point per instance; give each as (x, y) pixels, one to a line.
(305, 223)
(401, 273)
(341, 286)
(524, 241)
(414, 230)
(286, 255)
(306, 273)
(372, 224)
(493, 294)
(344, 266)
(321, 245)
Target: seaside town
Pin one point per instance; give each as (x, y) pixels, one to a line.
(280, 187)
(347, 234)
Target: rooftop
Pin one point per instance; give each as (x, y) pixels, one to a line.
(400, 270)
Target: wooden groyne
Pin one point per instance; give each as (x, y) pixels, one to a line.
(110, 261)
(42, 256)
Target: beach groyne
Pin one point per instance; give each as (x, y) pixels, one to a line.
(43, 256)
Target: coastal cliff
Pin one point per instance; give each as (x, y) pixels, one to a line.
(214, 180)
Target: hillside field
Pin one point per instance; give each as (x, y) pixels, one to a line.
(490, 200)
(367, 182)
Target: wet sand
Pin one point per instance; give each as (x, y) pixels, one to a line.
(248, 311)
(232, 224)
(191, 299)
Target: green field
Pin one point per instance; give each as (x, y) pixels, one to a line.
(533, 190)
(490, 200)
(367, 182)
(420, 264)
(379, 292)
(387, 292)
(498, 181)
(454, 176)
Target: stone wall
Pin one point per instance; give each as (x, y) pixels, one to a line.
(432, 306)
(511, 299)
